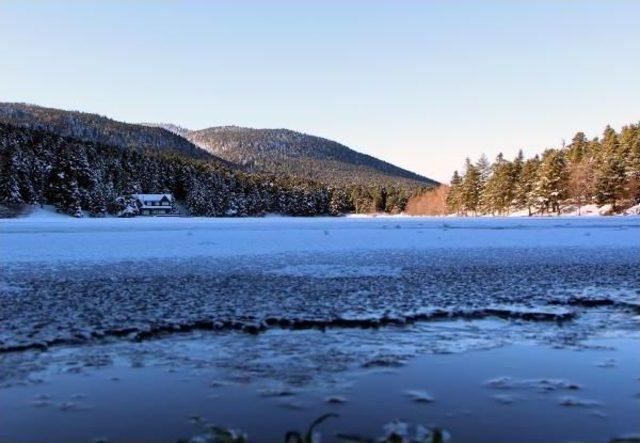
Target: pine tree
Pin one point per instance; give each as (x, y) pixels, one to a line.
(525, 187)
(551, 188)
(454, 196)
(471, 188)
(98, 200)
(578, 148)
(610, 174)
(498, 190)
(630, 142)
(484, 169)
(610, 181)
(9, 186)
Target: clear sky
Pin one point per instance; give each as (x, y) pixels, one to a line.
(422, 84)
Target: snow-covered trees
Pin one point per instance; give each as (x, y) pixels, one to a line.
(453, 198)
(602, 171)
(81, 177)
(124, 206)
(470, 188)
(498, 190)
(285, 152)
(551, 188)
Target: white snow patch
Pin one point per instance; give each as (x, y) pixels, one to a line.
(571, 211)
(588, 210)
(47, 212)
(633, 210)
(523, 309)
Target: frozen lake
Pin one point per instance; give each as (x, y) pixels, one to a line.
(493, 329)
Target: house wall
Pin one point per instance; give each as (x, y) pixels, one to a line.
(156, 211)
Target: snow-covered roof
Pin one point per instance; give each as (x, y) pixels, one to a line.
(152, 197)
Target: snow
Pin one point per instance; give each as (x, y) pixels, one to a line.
(520, 213)
(46, 212)
(633, 210)
(152, 197)
(571, 211)
(48, 236)
(589, 210)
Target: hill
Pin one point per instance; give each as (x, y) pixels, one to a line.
(237, 171)
(82, 177)
(274, 151)
(98, 129)
(282, 151)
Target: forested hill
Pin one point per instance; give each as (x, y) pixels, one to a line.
(282, 151)
(81, 177)
(276, 151)
(99, 129)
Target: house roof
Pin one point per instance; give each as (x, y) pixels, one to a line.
(152, 197)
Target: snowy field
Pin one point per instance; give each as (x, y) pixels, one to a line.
(513, 329)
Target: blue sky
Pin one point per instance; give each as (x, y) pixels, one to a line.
(419, 83)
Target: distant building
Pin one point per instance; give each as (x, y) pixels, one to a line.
(154, 204)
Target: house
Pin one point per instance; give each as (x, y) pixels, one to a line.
(154, 204)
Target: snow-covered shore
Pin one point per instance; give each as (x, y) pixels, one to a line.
(583, 211)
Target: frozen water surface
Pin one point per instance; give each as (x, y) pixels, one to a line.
(494, 329)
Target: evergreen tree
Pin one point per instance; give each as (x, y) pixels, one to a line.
(551, 188)
(339, 202)
(454, 196)
(610, 181)
(498, 190)
(9, 186)
(516, 172)
(578, 148)
(610, 174)
(484, 170)
(525, 187)
(630, 142)
(471, 188)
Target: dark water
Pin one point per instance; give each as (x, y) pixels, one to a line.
(154, 395)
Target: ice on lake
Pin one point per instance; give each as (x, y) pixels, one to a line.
(216, 311)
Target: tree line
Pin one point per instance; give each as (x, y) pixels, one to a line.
(83, 177)
(603, 170)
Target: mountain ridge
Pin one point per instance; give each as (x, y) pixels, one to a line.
(273, 151)
(100, 129)
(308, 156)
